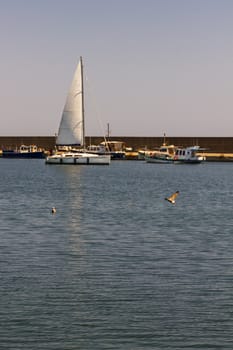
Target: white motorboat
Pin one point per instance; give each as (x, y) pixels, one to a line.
(189, 155)
(71, 134)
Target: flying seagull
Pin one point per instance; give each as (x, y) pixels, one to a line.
(172, 198)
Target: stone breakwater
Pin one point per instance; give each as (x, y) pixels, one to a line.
(216, 148)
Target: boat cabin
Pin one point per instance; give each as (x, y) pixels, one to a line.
(114, 146)
(188, 155)
(27, 149)
(97, 149)
(188, 151)
(170, 149)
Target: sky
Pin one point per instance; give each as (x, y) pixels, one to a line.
(151, 66)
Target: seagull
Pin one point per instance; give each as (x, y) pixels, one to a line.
(172, 198)
(53, 211)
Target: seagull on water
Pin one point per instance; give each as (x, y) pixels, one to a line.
(172, 198)
(53, 211)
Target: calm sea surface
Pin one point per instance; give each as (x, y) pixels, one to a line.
(117, 267)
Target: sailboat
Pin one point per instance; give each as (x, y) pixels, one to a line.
(70, 142)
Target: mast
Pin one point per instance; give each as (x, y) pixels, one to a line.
(164, 139)
(82, 91)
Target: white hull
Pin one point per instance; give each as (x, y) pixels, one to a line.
(79, 159)
(196, 160)
(158, 160)
(186, 155)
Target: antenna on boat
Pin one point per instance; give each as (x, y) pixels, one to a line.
(164, 139)
(106, 138)
(108, 131)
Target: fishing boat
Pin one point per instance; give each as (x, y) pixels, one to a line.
(189, 155)
(24, 151)
(115, 148)
(108, 147)
(70, 142)
(164, 155)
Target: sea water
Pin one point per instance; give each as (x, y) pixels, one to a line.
(117, 266)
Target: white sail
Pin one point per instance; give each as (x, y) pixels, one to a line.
(71, 129)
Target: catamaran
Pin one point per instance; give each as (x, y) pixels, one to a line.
(70, 142)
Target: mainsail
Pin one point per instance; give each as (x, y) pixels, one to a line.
(71, 129)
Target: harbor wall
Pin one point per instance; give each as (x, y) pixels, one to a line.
(211, 144)
(11, 142)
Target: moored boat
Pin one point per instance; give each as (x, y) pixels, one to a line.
(31, 151)
(115, 149)
(78, 158)
(188, 155)
(71, 134)
(164, 155)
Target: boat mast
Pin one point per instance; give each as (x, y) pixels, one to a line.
(82, 91)
(164, 139)
(108, 131)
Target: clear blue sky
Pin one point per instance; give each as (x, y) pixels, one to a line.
(153, 66)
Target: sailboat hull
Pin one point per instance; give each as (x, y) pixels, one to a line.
(79, 159)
